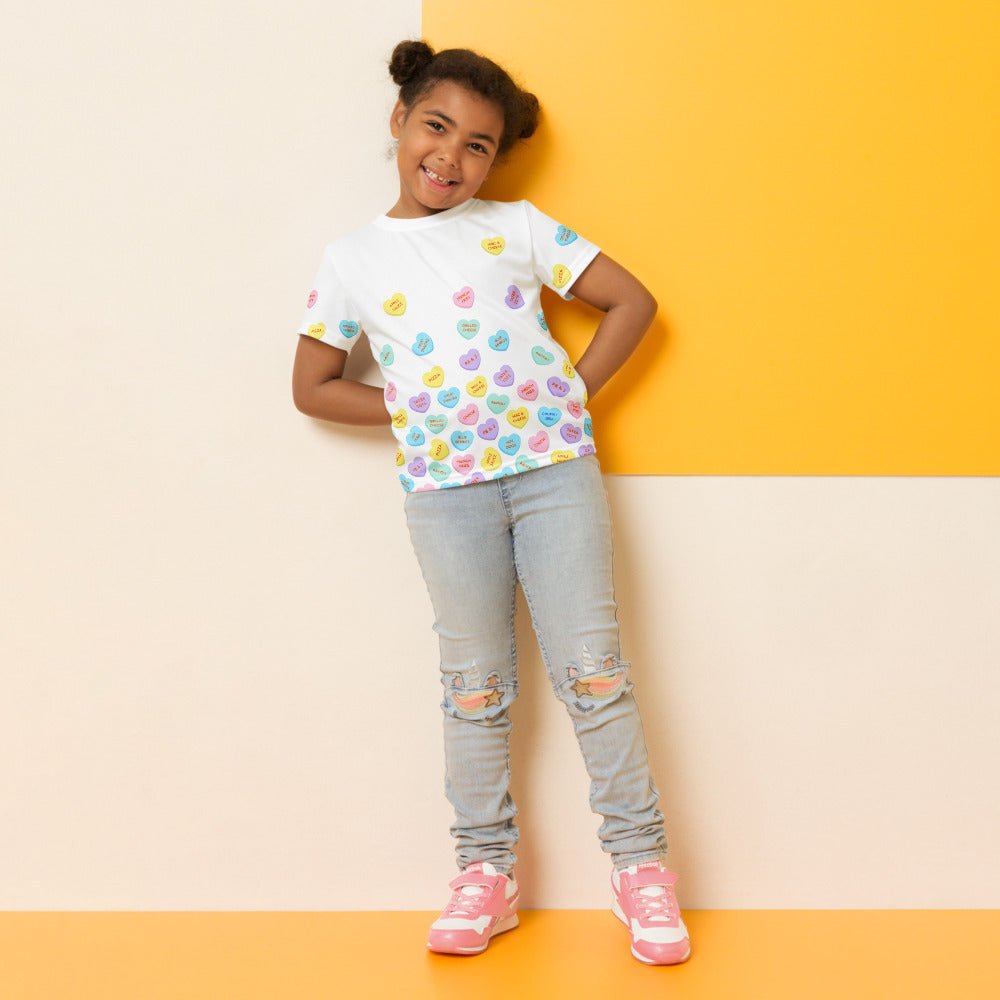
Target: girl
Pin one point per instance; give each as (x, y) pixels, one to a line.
(497, 460)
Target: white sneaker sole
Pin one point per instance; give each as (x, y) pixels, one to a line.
(620, 914)
(506, 924)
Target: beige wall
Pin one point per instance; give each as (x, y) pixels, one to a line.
(218, 676)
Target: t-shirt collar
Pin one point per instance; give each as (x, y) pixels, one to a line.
(425, 221)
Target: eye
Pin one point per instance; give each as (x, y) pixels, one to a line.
(479, 146)
(435, 124)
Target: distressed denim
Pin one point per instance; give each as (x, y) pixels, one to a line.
(550, 529)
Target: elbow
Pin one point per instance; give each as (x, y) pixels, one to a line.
(301, 397)
(646, 306)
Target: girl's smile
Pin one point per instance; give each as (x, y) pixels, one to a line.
(448, 141)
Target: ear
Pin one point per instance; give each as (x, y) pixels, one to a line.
(396, 118)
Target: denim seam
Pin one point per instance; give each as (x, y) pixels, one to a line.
(518, 575)
(654, 789)
(534, 621)
(513, 667)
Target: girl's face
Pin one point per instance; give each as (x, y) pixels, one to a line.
(447, 144)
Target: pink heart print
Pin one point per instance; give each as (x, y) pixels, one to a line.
(539, 441)
(464, 297)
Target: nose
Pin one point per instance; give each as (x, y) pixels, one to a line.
(448, 151)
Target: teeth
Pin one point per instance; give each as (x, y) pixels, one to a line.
(438, 177)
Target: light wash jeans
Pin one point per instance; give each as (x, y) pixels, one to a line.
(550, 528)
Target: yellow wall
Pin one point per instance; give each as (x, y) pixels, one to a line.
(810, 191)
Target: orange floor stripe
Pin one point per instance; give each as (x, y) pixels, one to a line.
(755, 954)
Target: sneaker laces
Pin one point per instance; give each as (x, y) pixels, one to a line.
(467, 902)
(653, 902)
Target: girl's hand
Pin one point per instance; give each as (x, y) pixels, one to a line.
(629, 307)
(319, 390)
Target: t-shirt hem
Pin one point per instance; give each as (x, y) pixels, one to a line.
(542, 463)
(578, 266)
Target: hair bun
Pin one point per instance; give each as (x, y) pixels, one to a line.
(409, 59)
(530, 111)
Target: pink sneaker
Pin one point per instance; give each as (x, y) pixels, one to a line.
(484, 903)
(646, 904)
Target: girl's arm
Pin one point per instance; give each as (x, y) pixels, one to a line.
(629, 309)
(319, 390)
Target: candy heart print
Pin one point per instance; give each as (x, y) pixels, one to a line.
(514, 297)
(395, 305)
(434, 378)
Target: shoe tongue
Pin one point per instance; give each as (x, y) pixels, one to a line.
(483, 867)
(480, 867)
(650, 890)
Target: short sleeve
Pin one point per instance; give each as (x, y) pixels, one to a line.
(559, 255)
(330, 315)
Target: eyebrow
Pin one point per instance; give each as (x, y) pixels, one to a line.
(454, 124)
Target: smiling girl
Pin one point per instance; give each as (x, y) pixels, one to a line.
(497, 458)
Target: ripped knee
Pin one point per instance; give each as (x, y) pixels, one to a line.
(467, 697)
(594, 681)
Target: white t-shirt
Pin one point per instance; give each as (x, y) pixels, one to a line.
(474, 383)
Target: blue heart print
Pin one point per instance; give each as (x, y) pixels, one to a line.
(462, 439)
(436, 422)
(497, 402)
(406, 481)
(588, 427)
(348, 327)
(423, 345)
(387, 357)
(541, 356)
(549, 415)
(565, 236)
(440, 471)
(415, 437)
(449, 397)
(523, 463)
(541, 322)
(468, 328)
(509, 444)
(500, 341)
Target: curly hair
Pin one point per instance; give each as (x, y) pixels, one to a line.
(416, 68)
